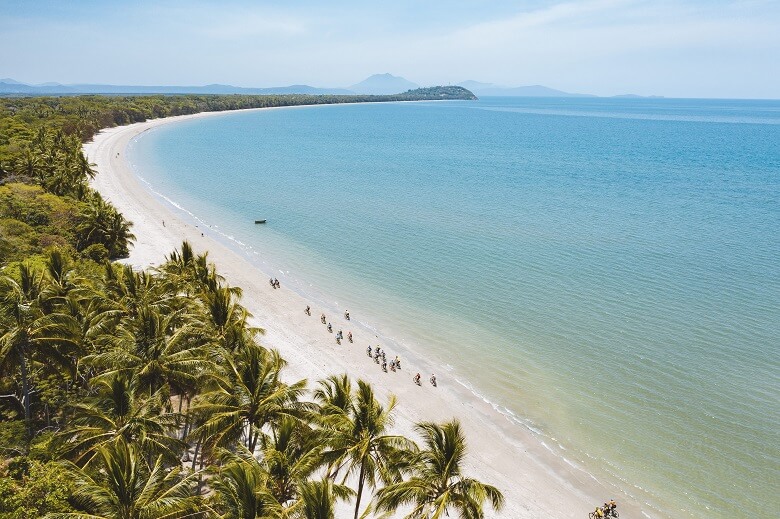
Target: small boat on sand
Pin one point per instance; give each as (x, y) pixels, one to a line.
(259, 221)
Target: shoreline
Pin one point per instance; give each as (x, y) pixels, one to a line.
(535, 482)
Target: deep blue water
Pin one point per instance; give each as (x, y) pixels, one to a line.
(604, 270)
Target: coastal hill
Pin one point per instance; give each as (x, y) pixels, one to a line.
(383, 84)
(439, 92)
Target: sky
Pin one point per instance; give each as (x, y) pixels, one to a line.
(684, 48)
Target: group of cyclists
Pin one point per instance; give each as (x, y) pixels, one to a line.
(378, 355)
(432, 379)
(608, 510)
(323, 320)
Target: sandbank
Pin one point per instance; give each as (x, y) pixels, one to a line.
(535, 483)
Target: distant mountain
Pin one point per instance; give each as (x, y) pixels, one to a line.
(10, 86)
(490, 89)
(206, 89)
(383, 84)
(636, 96)
(477, 85)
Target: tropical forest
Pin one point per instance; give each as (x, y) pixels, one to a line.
(131, 394)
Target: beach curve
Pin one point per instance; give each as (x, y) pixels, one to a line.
(535, 482)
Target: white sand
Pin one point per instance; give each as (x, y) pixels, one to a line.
(535, 483)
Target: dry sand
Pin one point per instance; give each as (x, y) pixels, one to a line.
(535, 483)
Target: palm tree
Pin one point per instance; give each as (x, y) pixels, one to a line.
(123, 486)
(100, 222)
(127, 291)
(358, 442)
(118, 412)
(117, 236)
(27, 332)
(239, 485)
(438, 485)
(229, 319)
(194, 272)
(318, 499)
(334, 395)
(250, 396)
(290, 455)
(165, 350)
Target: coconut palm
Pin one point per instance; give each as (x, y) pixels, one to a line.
(122, 485)
(164, 349)
(28, 333)
(100, 222)
(318, 499)
(250, 396)
(437, 485)
(115, 412)
(334, 395)
(289, 456)
(358, 442)
(194, 273)
(117, 236)
(239, 485)
(229, 319)
(127, 291)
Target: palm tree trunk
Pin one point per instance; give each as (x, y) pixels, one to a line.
(360, 488)
(195, 456)
(253, 440)
(25, 389)
(186, 431)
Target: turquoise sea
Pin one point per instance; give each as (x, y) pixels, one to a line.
(605, 271)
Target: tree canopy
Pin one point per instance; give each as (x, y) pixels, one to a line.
(148, 394)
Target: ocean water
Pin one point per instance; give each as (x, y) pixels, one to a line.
(605, 271)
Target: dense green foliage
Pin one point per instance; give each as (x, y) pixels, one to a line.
(137, 395)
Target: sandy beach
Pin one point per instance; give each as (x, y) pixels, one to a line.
(535, 482)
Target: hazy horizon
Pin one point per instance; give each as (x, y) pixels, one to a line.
(692, 48)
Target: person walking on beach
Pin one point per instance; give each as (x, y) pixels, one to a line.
(346, 315)
(417, 379)
(308, 310)
(433, 380)
(322, 318)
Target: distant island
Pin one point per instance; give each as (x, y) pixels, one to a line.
(439, 92)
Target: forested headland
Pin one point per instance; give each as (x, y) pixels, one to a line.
(149, 394)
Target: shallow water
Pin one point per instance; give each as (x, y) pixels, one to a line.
(605, 271)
